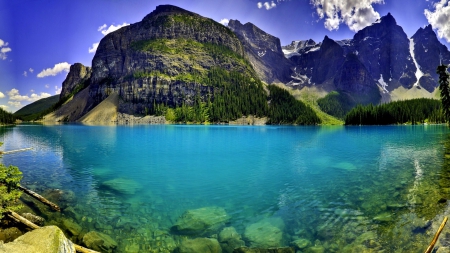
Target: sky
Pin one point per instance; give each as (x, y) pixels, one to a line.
(40, 39)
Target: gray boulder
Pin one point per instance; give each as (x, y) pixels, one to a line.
(48, 239)
(201, 221)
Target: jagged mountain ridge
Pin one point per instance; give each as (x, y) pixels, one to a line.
(392, 59)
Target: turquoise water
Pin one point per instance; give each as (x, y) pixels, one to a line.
(339, 188)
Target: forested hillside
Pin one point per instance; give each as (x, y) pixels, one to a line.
(415, 111)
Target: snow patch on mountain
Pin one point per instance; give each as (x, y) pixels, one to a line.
(419, 73)
(383, 84)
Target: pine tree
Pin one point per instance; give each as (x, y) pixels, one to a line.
(445, 90)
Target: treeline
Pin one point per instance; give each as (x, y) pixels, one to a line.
(415, 111)
(237, 95)
(285, 109)
(6, 117)
(336, 104)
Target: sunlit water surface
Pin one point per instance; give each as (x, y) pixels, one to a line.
(343, 189)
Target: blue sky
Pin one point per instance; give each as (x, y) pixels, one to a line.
(40, 39)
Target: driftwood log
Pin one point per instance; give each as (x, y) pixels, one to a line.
(15, 216)
(13, 151)
(40, 198)
(436, 236)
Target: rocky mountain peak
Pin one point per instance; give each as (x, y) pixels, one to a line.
(77, 76)
(388, 19)
(167, 9)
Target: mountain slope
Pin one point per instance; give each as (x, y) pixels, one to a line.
(30, 111)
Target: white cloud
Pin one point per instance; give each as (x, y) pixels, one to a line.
(16, 104)
(94, 48)
(14, 96)
(224, 21)
(267, 5)
(32, 91)
(4, 49)
(58, 90)
(356, 14)
(58, 68)
(439, 18)
(104, 29)
(47, 86)
(2, 95)
(4, 107)
(31, 70)
(25, 74)
(111, 28)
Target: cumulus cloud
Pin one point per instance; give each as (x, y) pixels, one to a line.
(356, 14)
(224, 21)
(439, 18)
(94, 48)
(58, 90)
(104, 29)
(16, 104)
(4, 49)
(31, 70)
(58, 68)
(2, 95)
(267, 5)
(16, 98)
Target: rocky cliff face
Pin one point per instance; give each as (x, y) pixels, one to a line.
(428, 53)
(78, 75)
(163, 60)
(264, 52)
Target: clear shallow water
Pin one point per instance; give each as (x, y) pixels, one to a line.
(342, 188)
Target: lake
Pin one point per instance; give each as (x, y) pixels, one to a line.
(342, 189)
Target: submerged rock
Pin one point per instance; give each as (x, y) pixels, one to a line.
(9, 234)
(99, 241)
(34, 218)
(261, 250)
(48, 239)
(384, 217)
(265, 233)
(200, 221)
(204, 245)
(301, 243)
(230, 240)
(123, 185)
(72, 227)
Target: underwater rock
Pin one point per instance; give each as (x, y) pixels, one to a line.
(228, 233)
(265, 233)
(301, 243)
(99, 241)
(345, 166)
(72, 227)
(34, 218)
(229, 239)
(384, 217)
(200, 221)
(260, 250)
(315, 249)
(9, 234)
(122, 185)
(48, 239)
(204, 245)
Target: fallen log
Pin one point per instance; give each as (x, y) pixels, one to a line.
(13, 151)
(15, 216)
(436, 236)
(40, 198)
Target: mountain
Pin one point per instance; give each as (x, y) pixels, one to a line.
(28, 112)
(264, 52)
(180, 65)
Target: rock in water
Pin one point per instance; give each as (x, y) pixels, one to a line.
(100, 242)
(48, 239)
(123, 185)
(200, 221)
(260, 250)
(230, 240)
(204, 245)
(265, 233)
